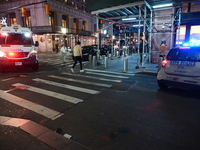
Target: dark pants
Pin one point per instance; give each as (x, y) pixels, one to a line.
(141, 57)
(56, 48)
(77, 58)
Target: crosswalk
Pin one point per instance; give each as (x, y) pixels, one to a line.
(94, 79)
(59, 62)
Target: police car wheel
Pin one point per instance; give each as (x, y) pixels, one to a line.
(162, 85)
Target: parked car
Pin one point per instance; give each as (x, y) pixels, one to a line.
(180, 68)
(88, 50)
(105, 49)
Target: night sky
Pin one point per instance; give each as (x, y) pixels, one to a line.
(99, 4)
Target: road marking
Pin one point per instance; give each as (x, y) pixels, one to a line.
(91, 77)
(80, 81)
(50, 93)
(77, 64)
(8, 79)
(107, 75)
(42, 110)
(92, 70)
(67, 86)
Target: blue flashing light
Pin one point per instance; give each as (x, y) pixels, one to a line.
(197, 44)
(185, 44)
(192, 44)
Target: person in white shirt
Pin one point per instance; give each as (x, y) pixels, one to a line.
(63, 52)
(77, 53)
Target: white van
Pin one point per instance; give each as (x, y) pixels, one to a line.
(17, 48)
(181, 68)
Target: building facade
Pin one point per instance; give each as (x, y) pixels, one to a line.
(65, 21)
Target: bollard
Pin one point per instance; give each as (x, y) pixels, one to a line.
(117, 53)
(138, 62)
(103, 59)
(90, 59)
(108, 54)
(94, 60)
(98, 55)
(125, 65)
(106, 62)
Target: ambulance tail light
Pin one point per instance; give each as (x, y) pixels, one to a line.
(164, 63)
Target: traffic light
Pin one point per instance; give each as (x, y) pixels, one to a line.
(24, 12)
(48, 11)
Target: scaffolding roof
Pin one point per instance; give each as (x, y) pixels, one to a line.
(117, 10)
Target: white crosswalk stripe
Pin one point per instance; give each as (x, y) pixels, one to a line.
(109, 72)
(42, 110)
(50, 93)
(89, 91)
(108, 75)
(81, 81)
(92, 77)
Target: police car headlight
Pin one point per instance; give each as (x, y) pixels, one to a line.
(2, 54)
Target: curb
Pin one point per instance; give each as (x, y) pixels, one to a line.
(51, 138)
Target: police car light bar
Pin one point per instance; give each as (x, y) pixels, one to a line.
(184, 47)
(191, 44)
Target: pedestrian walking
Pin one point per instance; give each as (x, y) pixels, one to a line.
(57, 43)
(141, 50)
(77, 53)
(63, 52)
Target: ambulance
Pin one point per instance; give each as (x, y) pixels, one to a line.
(17, 48)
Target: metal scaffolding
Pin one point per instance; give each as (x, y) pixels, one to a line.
(155, 27)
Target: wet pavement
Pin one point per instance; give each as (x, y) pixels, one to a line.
(26, 134)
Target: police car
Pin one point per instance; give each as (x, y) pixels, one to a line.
(181, 68)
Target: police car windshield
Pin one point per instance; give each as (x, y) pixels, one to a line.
(16, 39)
(192, 54)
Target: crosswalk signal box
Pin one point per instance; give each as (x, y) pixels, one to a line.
(48, 11)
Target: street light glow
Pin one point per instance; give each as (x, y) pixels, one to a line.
(125, 19)
(164, 5)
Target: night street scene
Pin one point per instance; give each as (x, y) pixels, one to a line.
(99, 75)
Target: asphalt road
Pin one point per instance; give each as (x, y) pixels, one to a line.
(100, 110)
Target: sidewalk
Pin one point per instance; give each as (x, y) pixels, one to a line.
(116, 64)
(35, 134)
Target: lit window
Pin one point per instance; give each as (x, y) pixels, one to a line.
(195, 33)
(13, 21)
(195, 6)
(185, 8)
(181, 37)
